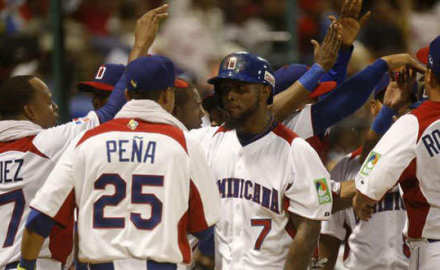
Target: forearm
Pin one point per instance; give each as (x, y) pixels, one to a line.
(303, 245)
(345, 197)
(31, 245)
(347, 98)
(339, 70)
(288, 101)
(115, 102)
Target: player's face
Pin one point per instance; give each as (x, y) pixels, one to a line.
(191, 113)
(42, 110)
(239, 99)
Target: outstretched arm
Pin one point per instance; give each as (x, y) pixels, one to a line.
(352, 94)
(145, 33)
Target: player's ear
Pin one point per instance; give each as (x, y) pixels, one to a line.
(167, 98)
(29, 113)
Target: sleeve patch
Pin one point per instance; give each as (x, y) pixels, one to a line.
(369, 163)
(323, 191)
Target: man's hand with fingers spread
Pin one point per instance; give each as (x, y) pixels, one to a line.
(146, 30)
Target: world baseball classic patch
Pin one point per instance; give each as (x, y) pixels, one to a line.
(323, 191)
(370, 162)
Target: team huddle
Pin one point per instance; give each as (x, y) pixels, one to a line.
(139, 184)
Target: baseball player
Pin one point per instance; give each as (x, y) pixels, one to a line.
(102, 85)
(380, 238)
(412, 138)
(30, 146)
(140, 184)
(262, 199)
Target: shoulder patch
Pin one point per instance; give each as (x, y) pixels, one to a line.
(369, 163)
(323, 191)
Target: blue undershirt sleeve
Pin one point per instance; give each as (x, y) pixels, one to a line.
(39, 223)
(206, 241)
(347, 98)
(115, 101)
(339, 69)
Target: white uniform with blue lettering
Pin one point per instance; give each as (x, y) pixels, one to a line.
(140, 185)
(260, 183)
(380, 238)
(28, 154)
(415, 136)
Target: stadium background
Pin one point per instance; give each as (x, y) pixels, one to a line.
(64, 41)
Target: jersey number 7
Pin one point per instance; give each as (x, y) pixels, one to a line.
(17, 198)
(137, 197)
(266, 223)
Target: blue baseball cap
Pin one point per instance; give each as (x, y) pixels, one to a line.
(431, 56)
(105, 79)
(288, 75)
(150, 73)
(246, 67)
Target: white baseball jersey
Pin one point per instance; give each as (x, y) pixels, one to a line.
(260, 182)
(302, 124)
(27, 156)
(415, 136)
(140, 187)
(380, 238)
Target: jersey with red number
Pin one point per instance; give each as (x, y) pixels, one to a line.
(302, 124)
(380, 238)
(415, 136)
(260, 182)
(27, 156)
(140, 187)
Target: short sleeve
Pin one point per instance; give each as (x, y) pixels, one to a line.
(301, 122)
(309, 195)
(335, 225)
(204, 205)
(389, 158)
(56, 197)
(203, 136)
(53, 141)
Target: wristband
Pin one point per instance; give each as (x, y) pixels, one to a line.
(383, 120)
(26, 264)
(310, 79)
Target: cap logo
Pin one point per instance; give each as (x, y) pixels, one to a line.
(269, 78)
(232, 63)
(430, 61)
(133, 83)
(100, 73)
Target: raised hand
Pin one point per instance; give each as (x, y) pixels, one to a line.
(396, 61)
(325, 54)
(350, 20)
(146, 30)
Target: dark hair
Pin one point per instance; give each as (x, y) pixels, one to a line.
(140, 94)
(15, 93)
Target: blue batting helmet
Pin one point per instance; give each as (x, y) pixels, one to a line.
(246, 67)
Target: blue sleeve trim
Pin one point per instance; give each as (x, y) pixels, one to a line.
(347, 97)
(310, 79)
(339, 70)
(383, 120)
(27, 264)
(39, 223)
(206, 241)
(115, 101)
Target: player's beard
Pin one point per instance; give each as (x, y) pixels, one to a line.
(237, 121)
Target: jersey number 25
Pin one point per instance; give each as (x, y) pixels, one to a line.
(137, 197)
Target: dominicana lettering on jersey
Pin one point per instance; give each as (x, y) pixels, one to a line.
(248, 190)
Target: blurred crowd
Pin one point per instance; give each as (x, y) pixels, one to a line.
(199, 33)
